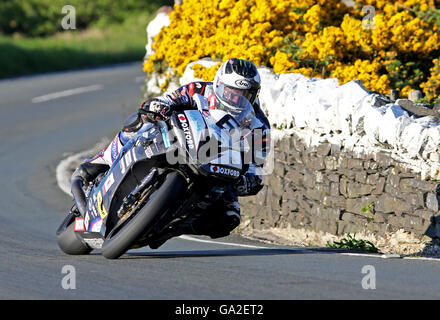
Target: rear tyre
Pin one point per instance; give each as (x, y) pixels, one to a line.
(68, 241)
(122, 238)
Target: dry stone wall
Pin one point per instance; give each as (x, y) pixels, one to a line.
(327, 189)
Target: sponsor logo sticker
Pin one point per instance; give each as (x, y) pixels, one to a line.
(102, 212)
(96, 225)
(148, 152)
(243, 84)
(79, 224)
(225, 171)
(186, 130)
(108, 183)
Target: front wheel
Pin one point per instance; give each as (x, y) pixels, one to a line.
(68, 240)
(123, 237)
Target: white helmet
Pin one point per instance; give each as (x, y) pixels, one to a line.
(233, 79)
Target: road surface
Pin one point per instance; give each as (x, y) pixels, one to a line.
(44, 118)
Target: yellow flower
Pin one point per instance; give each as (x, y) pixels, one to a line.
(318, 38)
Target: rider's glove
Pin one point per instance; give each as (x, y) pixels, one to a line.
(159, 107)
(181, 100)
(248, 185)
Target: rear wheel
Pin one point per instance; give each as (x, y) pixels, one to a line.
(123, 237)
(68, 240)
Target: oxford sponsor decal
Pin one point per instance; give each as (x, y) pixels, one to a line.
(186, 131)
(225, 171)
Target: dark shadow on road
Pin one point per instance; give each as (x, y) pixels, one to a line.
(228, 253)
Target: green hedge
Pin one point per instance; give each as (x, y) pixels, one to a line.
(43, 17)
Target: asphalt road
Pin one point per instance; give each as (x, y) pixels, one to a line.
(45, 117)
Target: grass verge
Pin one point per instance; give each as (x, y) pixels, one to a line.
(75, 49)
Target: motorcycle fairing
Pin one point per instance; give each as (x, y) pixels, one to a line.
(102, 196)
(197, 129)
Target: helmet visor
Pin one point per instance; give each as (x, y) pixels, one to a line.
(232, 95)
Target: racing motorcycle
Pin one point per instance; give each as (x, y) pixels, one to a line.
(160, 181)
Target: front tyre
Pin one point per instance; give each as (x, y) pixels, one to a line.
(68, 240)
(120, 240)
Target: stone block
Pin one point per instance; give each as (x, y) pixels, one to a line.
(383, 159)
(361, 177)
(297, 144)
(332, 214)
(341, 227)
(331, 163)
(304, 206)
(309, 179)
(260, 198)
(405, 185)
(323, 149)
(285, 144)
(355, 164)
(279, 169)
(390, 204)
(333, 177)
(372, 179)
(335, 149)
(323, 188)
(356, 190)
(395, 192)
(415, 95)
(343, 186)
(289, 206)
(332, 201)
(314, 194)
(424, 214)
(334, 189)
(294, 157)
(393, 180)
(416, 198)
(379, 217)
(354, 219)
(432, 201)
(316, 163)
(356, 205)
(380, 186)
(412, 222)
(295, 177)
(276, 185)
(423, 185)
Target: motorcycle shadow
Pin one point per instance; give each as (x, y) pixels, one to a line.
(223, 253)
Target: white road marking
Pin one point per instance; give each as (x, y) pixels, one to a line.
(66, 93)
(219, 242)
(189, 238)
(355, 254)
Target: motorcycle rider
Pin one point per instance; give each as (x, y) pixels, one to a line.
(234, 77)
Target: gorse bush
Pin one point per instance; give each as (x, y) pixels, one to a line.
(43, 17)
(396, 48)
